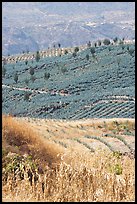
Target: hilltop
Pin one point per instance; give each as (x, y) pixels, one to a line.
(32, 26)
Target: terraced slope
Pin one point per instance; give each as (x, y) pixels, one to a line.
(88, 134)
(102, 86)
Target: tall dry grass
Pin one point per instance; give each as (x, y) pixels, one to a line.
(18, 137)
(78, 176)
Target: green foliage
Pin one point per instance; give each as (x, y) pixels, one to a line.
(109, 49)
(123, 46)
(92, 50)
(26, 96)
(26, 62)
(115, 39)
(74, 54)
(131, 51)
(118, 169)
(117, 154)
(106, 41)
(76, 49)
(4, 61)
(37, 56)
(89, 44)
(46, 75)
(16, 163)
(66, 52)
(4, 71)
(87, 57)
(31, 71)
(99, 42)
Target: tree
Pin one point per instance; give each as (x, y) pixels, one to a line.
(95, 44)
(123, 46)
(121, 42)
(31, 71)
(106, 41)
(89, 44)
(118, 61)
(26, 96)
(109, 49)
(92, 50)
(115, 39)
(131, 51)
(3, 71)
(65, 52)
(46, 75)
(37, 56)
(59, 45)
(4, 61)
(16, 77)
(87, 57)
(76, 49)
(26, 62)
(99, 42)
(74, 54)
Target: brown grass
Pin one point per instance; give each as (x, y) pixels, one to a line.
(18, 137)
(79, 176)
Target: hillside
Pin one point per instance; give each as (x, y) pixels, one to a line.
(100, 85)
(38, 25)
(58, 160)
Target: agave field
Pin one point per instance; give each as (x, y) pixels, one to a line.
(68, 125)
(68, 86)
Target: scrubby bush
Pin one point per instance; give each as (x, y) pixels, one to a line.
(87, 57)
(46, 75)
(37, 56)
(99, 42)
(106, 41)
(76, 49)
(26, 96)
(4, 71)
(92, 50)
(31, 71)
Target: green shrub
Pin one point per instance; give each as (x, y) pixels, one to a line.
(26, 96)
(46, 75)
(106, 41)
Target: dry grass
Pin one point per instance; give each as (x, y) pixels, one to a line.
(77, 176)
(19, 137)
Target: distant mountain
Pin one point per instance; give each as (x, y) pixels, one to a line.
(38, 25)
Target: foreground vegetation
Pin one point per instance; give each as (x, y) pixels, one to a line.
(34, 168)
